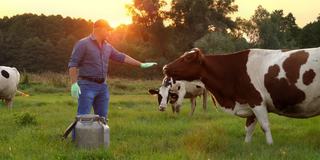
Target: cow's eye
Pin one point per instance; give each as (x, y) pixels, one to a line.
(188, 58)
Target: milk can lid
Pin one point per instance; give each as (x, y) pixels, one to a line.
(87, 117)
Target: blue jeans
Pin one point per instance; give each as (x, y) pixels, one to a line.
(95, 95)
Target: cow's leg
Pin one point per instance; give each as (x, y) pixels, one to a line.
(204, 98)
(173, 108)
(250, 125)
(262, 117)
(8, 103)
(179, 101)
(193, 105)
(177, 106)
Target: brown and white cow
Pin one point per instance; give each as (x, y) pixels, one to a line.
(253, 82)
(176, 91)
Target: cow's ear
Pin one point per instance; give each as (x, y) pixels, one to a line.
(199, 55)
(154, 91)
(173, 80)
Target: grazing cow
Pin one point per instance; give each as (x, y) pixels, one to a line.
(253, 82)
(175, 91)
(9, 80)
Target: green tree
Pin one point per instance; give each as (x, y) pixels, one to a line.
(39, 42)
(271, 30)
(36, 55)
(62, 53)
(193, 19)
(221, 43)
(309, 36)
(148, 20)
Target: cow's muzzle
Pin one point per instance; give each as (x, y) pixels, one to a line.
(165, 69)
(162, 108)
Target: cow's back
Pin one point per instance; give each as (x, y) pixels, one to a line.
(9, 79)
(194, 88)
(287, 81)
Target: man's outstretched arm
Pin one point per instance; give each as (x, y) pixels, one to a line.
(123, 58)
(132, 61)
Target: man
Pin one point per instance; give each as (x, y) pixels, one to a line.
(88, 68)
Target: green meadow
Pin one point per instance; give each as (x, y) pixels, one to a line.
(33, 128)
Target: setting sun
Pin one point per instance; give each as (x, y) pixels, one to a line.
(116, 13)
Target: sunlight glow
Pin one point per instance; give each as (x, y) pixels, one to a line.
(115, 12)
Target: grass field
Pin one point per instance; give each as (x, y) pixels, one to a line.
(140, 131)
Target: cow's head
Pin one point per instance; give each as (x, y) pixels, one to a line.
(164, 94)
(186, 67)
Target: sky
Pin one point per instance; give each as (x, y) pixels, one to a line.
(115, 12)
(305, 11)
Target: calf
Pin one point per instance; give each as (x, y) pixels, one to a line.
(175, 91)
(9, 80)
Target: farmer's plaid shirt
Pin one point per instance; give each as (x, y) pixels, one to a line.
(91, 60)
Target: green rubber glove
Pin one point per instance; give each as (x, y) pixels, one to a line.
(147, 65)
(75, 90)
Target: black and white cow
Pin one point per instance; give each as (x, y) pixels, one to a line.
(9, 80)
(175, 91)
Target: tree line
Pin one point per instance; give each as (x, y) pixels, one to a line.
(39, 43)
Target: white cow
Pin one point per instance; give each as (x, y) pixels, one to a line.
(175, 91)
(9, 80)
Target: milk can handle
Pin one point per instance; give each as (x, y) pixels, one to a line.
(102, 120)
(91, 120)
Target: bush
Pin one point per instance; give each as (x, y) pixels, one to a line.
(25, 78)
(50, 78)
(220, 43)
(26, 118)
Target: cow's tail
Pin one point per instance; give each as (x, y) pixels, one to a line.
(23, 94)
(204, 99)
(217, 105)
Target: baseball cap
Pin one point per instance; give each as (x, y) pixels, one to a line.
(101, 24)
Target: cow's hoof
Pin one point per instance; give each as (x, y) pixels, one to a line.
(270, 143)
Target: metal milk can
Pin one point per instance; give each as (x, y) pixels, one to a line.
(91, 131)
